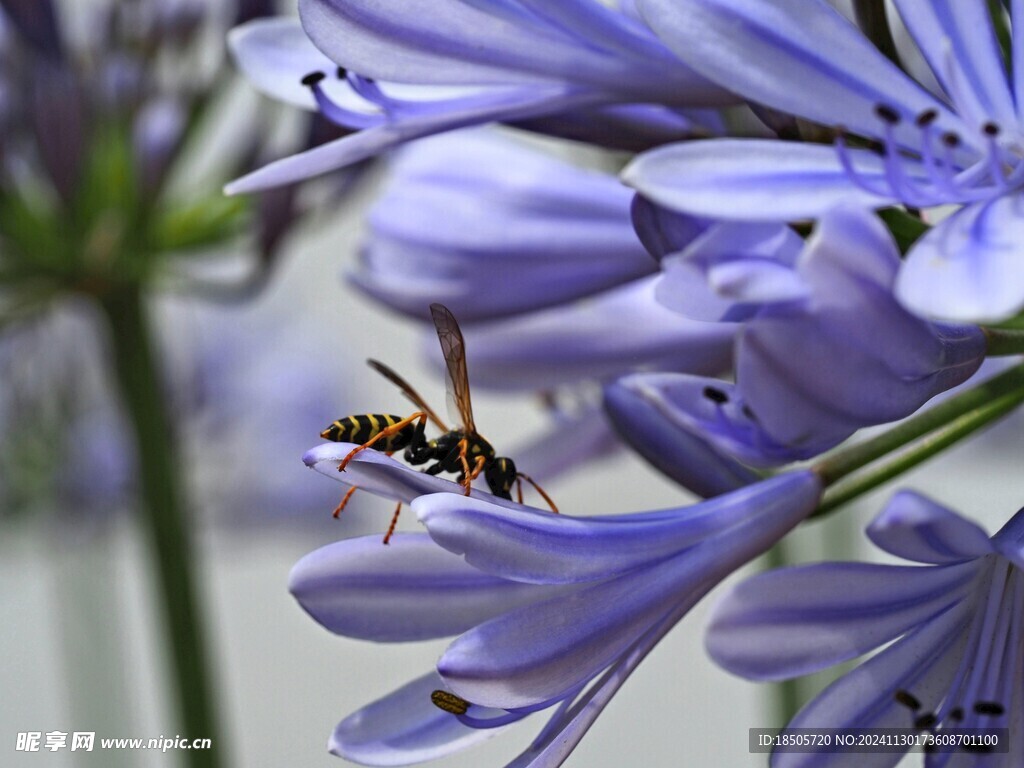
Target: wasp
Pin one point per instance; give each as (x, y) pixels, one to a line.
(462, 451)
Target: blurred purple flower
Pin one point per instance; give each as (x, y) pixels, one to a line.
(956, 139)
(547, 604)
(582, 68)
(952, 631)
(863, 359)
(56, 399)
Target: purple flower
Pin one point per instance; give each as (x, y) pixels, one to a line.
(581, 68)
(522, 230)
(862, 359)
(554, 611)
(954, 139)
(954, 626)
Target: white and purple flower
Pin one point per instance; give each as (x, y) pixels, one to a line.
(552, 611)
(951, 633)
(824, 347)
(951, 136)
(582, 69)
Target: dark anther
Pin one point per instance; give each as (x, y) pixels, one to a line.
(449, 702)
(951, 140)
(989, 708)
(341, 73)
(715, 395)
(313, 78)
(990, 129)
(926, 118)
(956, 714)
(926, 721)
(887, 113)
(878, 149)
(748, 413)
(907, 699)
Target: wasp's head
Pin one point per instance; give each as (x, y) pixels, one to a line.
(500, 474)
(333, 432)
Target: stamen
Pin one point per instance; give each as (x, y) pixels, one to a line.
(449, 702)
(846, 161)
(956, 714)
(993, 708)
(899, 182)
(369, 90)
(991, 131)
(926, 721)
(716, 395)
(887, 114)
(336, 113)
(939, 173)
(926, 118)
(907, 699)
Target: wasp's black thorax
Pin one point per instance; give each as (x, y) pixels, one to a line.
(445, 450)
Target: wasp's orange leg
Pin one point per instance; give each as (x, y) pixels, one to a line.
(394, 522)
(344, 501)
(540, 490)
(480, 461)
(386, 432)
(519, 489)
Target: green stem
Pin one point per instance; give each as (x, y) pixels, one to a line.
(162, 515)
(1003, 341)
(929, 446)
(848, 460)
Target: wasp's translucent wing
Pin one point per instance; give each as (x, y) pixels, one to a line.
(453, 346)
(408, 391)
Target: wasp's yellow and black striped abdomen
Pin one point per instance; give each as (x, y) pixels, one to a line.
(366, 426)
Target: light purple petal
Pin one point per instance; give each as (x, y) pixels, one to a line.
(500, 104)
(815, 63)
(970, 267)
(275, 54)
(610, 333)
(1010, 540)
(570, 723)
(403, 728)
(915, 528)
(410, 589)
(960, 45)
(730, 270)
(523, 230)
(625, 127)
(545, 650)
(547, 548)
(792, 622)
(481, 42)
(702, 420)
(669, 438)
(753, 179)
(923, 663)
(663, 231)
(378, 474)
(863, 359)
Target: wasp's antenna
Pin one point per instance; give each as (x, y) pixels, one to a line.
(539, 490)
